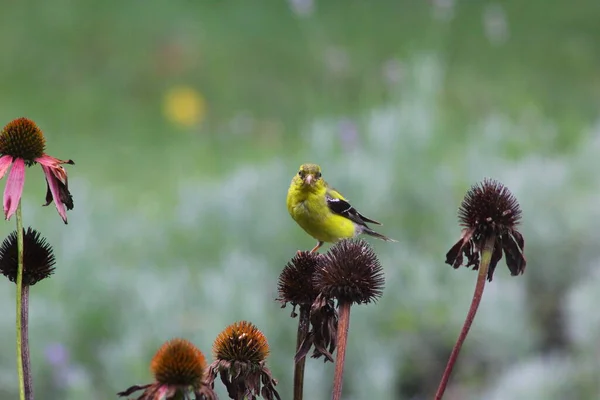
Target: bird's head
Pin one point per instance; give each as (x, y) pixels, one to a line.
(309, 174)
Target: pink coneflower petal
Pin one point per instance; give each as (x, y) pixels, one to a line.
(50, 161)
(14, 187)
(5, 162)
(53, 183)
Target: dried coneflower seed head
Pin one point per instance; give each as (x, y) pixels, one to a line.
(179, 362)
(489, 208)
(21, 138)
(38, 257)
(350, 272)
(296, 280)
(489, 212)
(241, 341)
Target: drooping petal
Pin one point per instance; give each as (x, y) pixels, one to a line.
(63, 188)
(14, 187)
(496, 257)
(54, 192)
(133, 389)
(50, 161)
(454, 256)
(5, 162)
(514, 245)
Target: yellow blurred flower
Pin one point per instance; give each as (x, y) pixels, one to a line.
(185, 106)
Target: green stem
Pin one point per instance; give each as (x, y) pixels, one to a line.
(303, 323)
(20, 370)
(484, 264)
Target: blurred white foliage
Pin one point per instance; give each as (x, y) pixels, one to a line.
(538, 378)
(302, 8)
(443, 10)
(581, 310)
(495, 23)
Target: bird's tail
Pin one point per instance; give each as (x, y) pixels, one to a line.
(371, 232)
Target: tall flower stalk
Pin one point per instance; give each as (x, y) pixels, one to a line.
(296, 287)
(25, 258)
(22, 145)
(351, 273)
(23, 365)
(489, 214)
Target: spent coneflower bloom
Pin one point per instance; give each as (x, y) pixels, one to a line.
(38, 257)
(351, 273)
(38, 264)
(489, 210)
(179, 370)
(489, 215)
(323, 332)
(22, 144)
(295, 286)
(240, 353)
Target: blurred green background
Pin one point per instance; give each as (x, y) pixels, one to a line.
(187, 120)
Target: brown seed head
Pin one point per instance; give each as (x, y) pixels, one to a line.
(489, 211)
(179, 362)
(241, 341)
(21, 138)
(489, 208)
(350, 272)
(38, 257)
(295, 281)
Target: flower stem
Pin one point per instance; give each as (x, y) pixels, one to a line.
(486, 256)
(20, 364)
(303, 320)
(342, 340)
(28, 380)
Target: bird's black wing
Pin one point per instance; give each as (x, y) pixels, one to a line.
(345, 209)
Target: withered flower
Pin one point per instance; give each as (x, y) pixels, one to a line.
(240, 353)
(351, 273)
(22, 144)
(179, 370)
(489, 214)
(38, 257)
(488, 211)
(295, 284)
(323, 331)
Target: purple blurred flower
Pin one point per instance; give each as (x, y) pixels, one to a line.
(348, 134)
(56, 354)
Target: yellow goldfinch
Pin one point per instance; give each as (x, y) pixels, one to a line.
(322, 211)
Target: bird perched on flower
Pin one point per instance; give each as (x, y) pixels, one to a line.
(322, 211)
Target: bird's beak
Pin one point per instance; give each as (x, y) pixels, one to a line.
(308, 179)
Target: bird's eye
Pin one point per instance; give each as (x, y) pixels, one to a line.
(301, 173)
(318, 175)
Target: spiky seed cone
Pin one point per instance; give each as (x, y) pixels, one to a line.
(489, 208)
(241, 341)
(21, 138)
(179, 362)
(489, 211)
(296, 280)
(38, 257)
(350, 272)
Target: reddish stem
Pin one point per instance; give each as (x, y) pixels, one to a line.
(303, 322)
(342, 340)
(486, 256)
